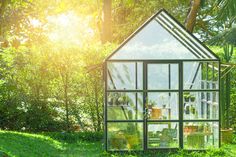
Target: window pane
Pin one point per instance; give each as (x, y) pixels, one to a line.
(139, 75)
(125, 136)
(201, 105)
(153, 42)
(201, 135)
(123, 75)
(201, 75)
(124, 106)
(163, 105)
(163, 76)
(163, 135)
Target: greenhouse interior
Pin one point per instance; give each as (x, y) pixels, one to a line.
(162, 90)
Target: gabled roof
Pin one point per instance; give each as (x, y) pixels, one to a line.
(162, 37)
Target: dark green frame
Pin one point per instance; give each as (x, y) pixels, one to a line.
(180, 90)
(145, 91)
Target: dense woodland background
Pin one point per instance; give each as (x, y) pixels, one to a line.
(51, 55)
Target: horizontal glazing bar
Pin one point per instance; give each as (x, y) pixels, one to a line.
(120, 90)
(201, 90)
(185, 90)
(150, 120)
(163, 60)
(202, 120)
(164, 149)
(124, 121)
(117, 90)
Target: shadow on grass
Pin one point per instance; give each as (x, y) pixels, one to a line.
(23, 144)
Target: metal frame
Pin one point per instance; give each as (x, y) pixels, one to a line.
(144, 90)
(195, 42)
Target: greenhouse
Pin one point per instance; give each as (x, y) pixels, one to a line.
(161, 90)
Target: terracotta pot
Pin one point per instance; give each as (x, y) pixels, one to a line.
(156, 113)
(226, 135)
(190, 129)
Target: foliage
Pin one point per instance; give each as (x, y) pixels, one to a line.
(38, 82)
(137, 12)
(76, 136)
(25, 144)
(49, 84)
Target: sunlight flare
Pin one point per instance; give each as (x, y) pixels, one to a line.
(68, 28)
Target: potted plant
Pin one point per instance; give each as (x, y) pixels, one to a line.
(117, 140)
(196, 140)
(132, 141)
(192, 109)
(132, 136)
(201, 127)
(186, 98)
(227, 135)
(151, 104)
(192, 98)
(110, 100)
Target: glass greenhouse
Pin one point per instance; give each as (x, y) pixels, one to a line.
(161, 90)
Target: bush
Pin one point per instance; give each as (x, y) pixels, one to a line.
(73, 137)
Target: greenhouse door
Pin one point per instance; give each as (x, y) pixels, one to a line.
(162, 84)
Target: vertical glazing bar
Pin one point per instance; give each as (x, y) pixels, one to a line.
(136, 94)
(169, 71)
(202, 87)
(207, 93)
(181, 145)
(144, 105)
(219, 101)
(105, 106)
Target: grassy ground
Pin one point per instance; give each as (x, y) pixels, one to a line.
(17, 144)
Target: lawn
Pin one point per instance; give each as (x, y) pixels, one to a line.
(17, 144)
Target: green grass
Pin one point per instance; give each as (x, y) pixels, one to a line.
(17, 144)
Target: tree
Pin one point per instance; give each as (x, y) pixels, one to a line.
(106, 34)
(192, 14)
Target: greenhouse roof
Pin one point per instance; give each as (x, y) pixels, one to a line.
(162, 38)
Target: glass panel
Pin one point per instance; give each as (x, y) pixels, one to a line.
(139, 75)
(201, 135)
(124, 106)
(190, 40)
(201, 75)
(163, 106)
(163, 135)
(125, 136)
(153, 42)
(163, 76)
(201, 105)
(123, 75)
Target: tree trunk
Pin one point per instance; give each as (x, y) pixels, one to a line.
(97, 107)
(192, 14)
(106, 34)
(66, 100)
(2, 9)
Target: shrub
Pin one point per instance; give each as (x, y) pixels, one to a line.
(73, 137)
